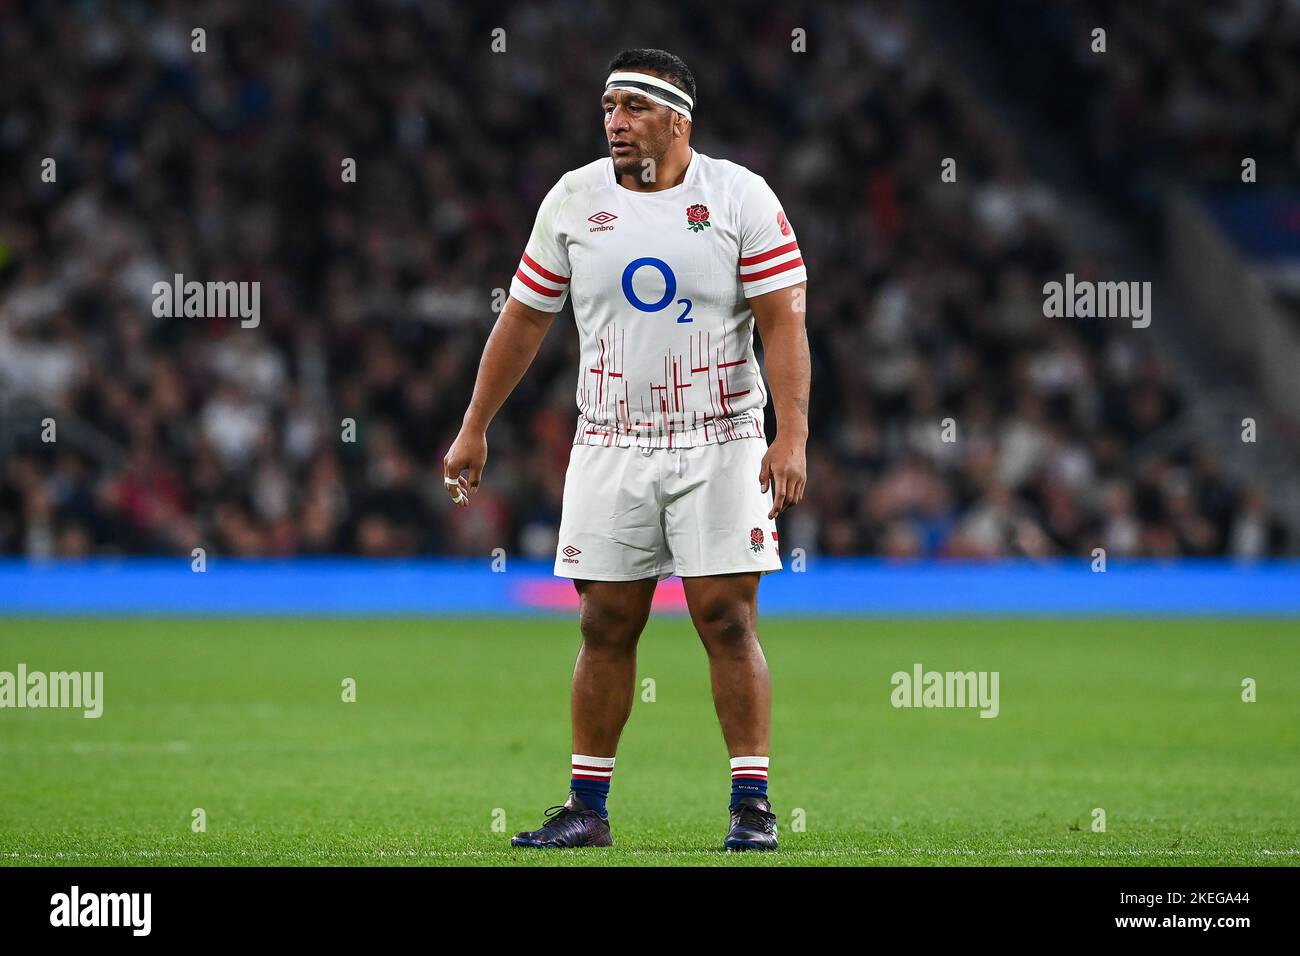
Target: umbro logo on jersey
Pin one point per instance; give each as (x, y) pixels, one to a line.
(601, 219)
(570, 554)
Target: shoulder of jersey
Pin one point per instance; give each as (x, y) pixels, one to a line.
(726, 173)
(732, 179)
(585, 178)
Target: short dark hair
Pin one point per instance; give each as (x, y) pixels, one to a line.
(659, 61)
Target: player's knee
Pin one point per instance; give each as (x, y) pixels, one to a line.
(725, 627)
(610, 627)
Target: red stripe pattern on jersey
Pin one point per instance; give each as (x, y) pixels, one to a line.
(773, 262)
(540, 279)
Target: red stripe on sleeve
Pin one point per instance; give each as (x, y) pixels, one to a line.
(770, 254)
(544, 273)
(755, 276)
(539, 289)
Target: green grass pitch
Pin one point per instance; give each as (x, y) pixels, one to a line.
(458, 723)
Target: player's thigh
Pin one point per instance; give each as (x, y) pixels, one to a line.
(723, 607)
(715, 513)
(614, 612)
(611, 525)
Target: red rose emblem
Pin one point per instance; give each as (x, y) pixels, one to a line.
(756, 539)
(697, 217)
(781, 221)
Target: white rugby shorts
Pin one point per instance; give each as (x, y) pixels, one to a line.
(632, 513)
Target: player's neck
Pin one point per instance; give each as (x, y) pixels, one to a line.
(670, 172)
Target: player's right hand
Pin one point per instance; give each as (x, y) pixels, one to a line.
(467, 453)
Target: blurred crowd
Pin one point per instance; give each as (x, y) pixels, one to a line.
(1184, 91)
(322, 430)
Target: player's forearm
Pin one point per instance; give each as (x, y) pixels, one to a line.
(789, 372)
(510, 349)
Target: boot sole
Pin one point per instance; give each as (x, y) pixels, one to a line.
(746, 846)
(551, 846)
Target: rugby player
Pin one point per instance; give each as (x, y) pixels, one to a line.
(671, 259)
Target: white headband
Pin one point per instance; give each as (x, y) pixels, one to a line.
(652, 87)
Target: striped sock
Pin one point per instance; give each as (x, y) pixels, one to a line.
(748, 778)
(590, 780)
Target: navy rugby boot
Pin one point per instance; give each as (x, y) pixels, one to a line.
(573, 824)
(753, 826)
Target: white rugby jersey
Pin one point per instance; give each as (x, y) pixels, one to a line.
(659, 282)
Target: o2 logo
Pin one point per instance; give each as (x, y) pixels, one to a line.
(670, 288)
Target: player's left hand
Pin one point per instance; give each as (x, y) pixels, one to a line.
(785, 467)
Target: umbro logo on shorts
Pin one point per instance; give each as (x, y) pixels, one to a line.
(570, 554)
